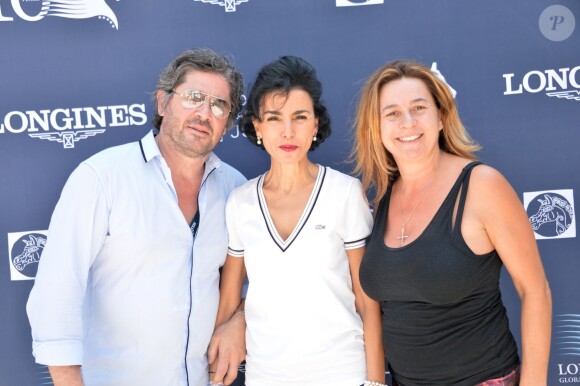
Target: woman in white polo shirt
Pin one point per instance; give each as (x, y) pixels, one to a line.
(299, 232)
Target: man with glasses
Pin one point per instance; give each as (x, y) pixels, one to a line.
(127, 287)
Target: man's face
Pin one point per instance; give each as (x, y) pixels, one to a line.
(193, 132)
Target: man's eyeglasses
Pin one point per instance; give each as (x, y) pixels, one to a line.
(192, 99)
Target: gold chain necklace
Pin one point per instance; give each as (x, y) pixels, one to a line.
(403, 236)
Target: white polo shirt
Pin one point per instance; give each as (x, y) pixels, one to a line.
(122, 288)
(302, 325)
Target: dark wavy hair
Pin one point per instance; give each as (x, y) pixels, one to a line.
(281, 76)
(205, 60)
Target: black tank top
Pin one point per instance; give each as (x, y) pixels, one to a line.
(444, 322)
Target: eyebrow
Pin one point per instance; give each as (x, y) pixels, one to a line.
(276, 112)
(420, 99)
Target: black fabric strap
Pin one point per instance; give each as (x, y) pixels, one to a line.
(465, 184)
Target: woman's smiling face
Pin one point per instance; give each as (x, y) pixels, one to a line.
(409, 119)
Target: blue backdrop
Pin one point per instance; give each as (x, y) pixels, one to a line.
(75, 79)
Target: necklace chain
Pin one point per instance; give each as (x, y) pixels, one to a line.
(405, 222)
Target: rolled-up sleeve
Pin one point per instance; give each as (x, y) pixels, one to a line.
(76, 233)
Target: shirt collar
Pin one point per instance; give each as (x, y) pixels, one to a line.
(150, 150)
(212, 162)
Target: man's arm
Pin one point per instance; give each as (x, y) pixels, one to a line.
(66, 375)
(55, 307)
(227, 348)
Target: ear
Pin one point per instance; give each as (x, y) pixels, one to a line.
(257, 123)
(315, 125)
(161, 102)
(440, 121)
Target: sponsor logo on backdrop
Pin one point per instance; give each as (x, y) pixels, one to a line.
(354, 3)
(43, 373)
(70, 125)
(438, 73)
(35, 10)
(236, 132)
(551, 213)
(557, 23)
(567, 342)
(229, 5)
(24, 251)
(559, 83)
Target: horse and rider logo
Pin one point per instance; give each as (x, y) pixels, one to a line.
(551, 213)
(25, 251)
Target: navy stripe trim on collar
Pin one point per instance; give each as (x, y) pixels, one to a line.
(142, 151)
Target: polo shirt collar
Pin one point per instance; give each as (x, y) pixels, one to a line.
(150, 150)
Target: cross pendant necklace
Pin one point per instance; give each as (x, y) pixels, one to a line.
(402, 237)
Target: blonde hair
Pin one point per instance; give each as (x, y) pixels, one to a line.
(372, 160)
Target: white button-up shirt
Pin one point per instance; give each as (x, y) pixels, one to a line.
(122, 287)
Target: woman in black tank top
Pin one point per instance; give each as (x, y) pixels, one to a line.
(444, 225)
